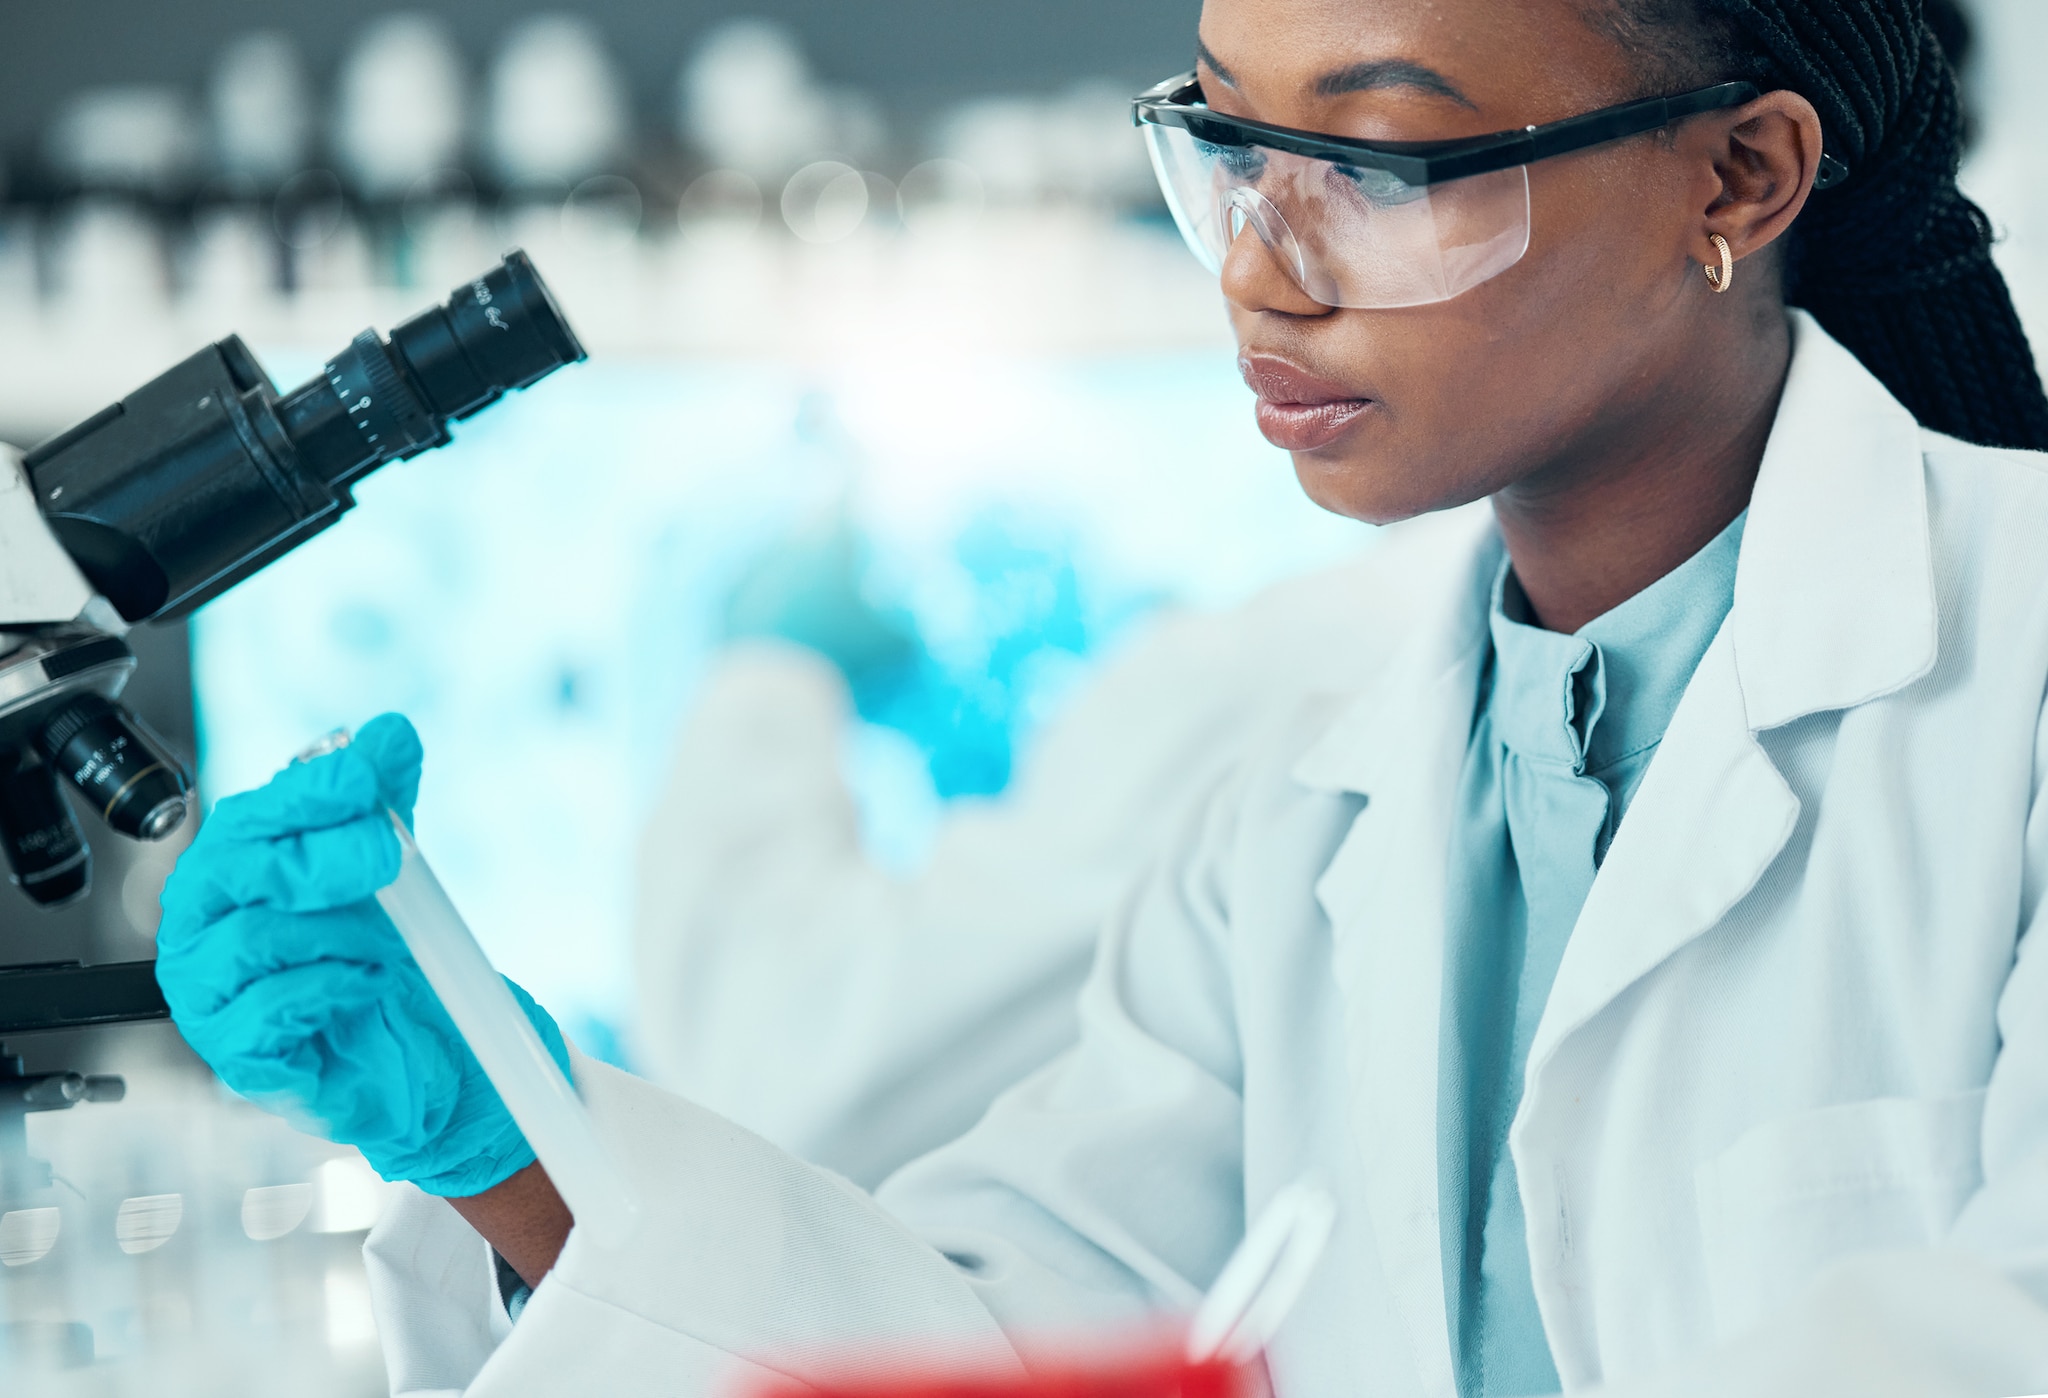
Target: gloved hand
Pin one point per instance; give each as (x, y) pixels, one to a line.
(285, 975)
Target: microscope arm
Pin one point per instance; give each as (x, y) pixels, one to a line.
(39, 583)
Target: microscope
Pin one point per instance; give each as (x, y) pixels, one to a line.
(145, 511)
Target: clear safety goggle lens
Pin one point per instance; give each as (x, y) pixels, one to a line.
(1349, 235)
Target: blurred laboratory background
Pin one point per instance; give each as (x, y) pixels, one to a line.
(893, 349)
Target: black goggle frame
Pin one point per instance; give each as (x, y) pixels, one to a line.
(1179, 102)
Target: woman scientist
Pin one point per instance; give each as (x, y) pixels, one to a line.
(1646, 958)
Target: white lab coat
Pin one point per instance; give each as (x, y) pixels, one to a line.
(1785, 1126)
(859, 1019)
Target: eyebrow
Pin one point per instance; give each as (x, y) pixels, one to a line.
(1213, 63)
(1360, 77)
(1390, 72)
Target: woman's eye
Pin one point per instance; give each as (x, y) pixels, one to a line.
(1381, 187)
(1239, 162)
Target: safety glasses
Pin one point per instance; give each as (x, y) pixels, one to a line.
(1368, 224)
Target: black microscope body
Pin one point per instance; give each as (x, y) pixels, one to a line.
(163, 501)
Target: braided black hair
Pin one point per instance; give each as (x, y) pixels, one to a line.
(1895, 262)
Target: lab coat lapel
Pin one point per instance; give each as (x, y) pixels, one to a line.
(1401, 746)
(1834, 606)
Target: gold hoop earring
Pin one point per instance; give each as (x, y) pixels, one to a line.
(1719, 277)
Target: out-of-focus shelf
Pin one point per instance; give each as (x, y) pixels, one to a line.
(1053, 281)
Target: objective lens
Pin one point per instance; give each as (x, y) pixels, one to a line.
(48, 857)
(127, 776)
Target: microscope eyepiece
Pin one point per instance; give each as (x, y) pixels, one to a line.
(205, 475)
(503, 331)
(114, 760)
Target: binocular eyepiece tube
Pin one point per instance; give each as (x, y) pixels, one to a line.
(206, 474)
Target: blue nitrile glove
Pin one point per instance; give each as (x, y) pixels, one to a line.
(285, 975)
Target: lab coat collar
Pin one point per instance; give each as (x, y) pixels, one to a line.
(1834, 593)
(1448, 562)
(1834, 589)
(1833, 606)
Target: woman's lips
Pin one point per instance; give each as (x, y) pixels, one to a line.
(1306, 426)
(1298, 411)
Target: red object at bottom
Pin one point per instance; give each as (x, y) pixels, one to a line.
(1157, 1376)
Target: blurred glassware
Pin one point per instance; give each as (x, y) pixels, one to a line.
(400, 105)
(997, 138)
(139, 139)
(531, 212)
(270, 1211)
(261, 118)
(146, 1222)
(720, 204)
(434, 195)
(339, 263)
(825, 201)
(747, 99)
(107, 257)
(27, 1235)
(1090, 140)
(446, 239)
(558, 109)
(602, 215)
(939, 193)
(193, 1246)
(1078, 145)
(232, 259)
(309, 208)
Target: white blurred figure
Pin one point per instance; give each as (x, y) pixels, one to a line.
(138, 139)
(748, 101)
(257, 104)
(858, 1018)
(557, 111)
(400, 106)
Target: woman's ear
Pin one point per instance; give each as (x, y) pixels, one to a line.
(1765, 155)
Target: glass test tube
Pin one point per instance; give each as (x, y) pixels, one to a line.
(542, 1101)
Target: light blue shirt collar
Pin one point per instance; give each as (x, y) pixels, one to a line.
(1606, 692)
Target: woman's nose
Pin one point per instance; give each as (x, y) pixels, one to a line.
(1256, 279)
